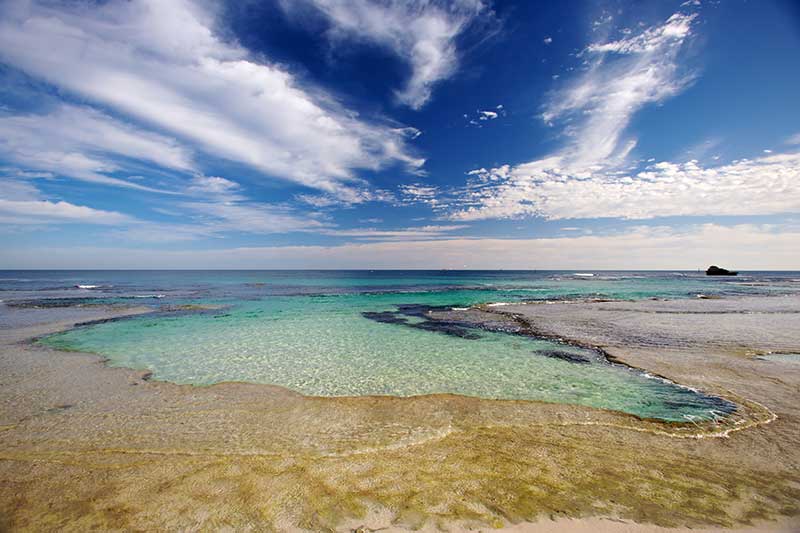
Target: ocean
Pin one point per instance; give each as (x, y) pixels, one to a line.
(353, 333)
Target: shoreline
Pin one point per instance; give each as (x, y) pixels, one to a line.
(368, 430)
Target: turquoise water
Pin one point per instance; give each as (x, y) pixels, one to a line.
(793, 358)
(311, 332)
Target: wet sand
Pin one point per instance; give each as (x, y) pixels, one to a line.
(86, 446)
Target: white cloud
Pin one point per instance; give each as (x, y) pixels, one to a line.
(18, 190)
(548, 40)
(604, 20)
(761, 186)
(220, 206)
(83, 143)
(404, 234)
(480, 117)
(422, 32)
(81, 134)
(623, 76)
(419, 194)
(352, 197)
(794, 139)
(165, 64)
(249, 217)
(41, 211)
(702, 150)
(657, 38)
(214, 188)
(217, 207)
(21, 203)
(212, 220)
(583, 179)
(153, 233)
(744, 247)
(318, 200)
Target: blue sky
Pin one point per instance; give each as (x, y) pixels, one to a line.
(405, 134)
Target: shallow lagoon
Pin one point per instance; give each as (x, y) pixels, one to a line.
(310, 334)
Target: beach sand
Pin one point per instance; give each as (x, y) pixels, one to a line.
(84, 446)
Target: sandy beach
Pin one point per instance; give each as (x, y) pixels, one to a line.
(84, 446)
(361, 266)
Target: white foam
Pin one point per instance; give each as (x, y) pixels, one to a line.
(583, 274)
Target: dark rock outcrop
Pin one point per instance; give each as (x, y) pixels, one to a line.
(714, 270)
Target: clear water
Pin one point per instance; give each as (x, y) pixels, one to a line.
(793, 358)
(306, 331)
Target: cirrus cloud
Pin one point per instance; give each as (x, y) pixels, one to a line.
(166, 65)
(22, 203)
(422, 32)
(85, 144)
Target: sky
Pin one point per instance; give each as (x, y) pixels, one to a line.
(472, 134)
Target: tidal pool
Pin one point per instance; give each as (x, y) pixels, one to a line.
(338, 345)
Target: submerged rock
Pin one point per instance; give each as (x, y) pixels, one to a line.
(454, 329)
(448, 328)
(564, 356)
(385, 317)
(53, 303)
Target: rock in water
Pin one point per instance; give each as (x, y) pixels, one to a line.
(714, 270)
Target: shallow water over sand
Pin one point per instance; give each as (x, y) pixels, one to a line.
(362, 333)
(326, 347)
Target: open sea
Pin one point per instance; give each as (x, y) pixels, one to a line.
(342, 333)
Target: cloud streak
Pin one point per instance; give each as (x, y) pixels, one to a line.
(430, 232)
(85, 144)
(166, 65)
(623, 77)
(22, 203)
(421, 32)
